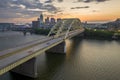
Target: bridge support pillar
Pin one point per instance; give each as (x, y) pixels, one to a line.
(28, 68)
(60, 48)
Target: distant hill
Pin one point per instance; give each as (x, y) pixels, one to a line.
(115, 24)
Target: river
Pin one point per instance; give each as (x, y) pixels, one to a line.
(85, 59)
(12, 39)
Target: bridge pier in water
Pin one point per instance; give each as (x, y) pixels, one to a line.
(28, 68)
(60, 48)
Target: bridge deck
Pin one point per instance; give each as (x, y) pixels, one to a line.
(6, 53)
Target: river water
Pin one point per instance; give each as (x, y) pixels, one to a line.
(85, 59)
(11, 39)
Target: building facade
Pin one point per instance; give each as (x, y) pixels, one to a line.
(6, 26)
(35, 24)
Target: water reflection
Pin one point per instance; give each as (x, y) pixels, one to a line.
(72, 46)
(99, 61)
(69, 45)
(54, 63)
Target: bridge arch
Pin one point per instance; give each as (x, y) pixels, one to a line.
(64, 26)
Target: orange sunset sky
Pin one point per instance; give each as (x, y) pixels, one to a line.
(23, 11)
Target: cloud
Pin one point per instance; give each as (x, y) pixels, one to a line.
(25, 8)
(36, 10)
(60, 0)
(87, 1)
(101, 0)
(14, 6)
(50, 7)
(49, 1)
(80, 7)
(95, 11)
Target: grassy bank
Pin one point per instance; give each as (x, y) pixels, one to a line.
(101, 34)
(41, 31)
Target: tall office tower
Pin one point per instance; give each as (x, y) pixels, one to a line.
(52, 20)
(41, 18)
(47, 20)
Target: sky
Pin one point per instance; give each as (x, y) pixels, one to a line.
(25, 11)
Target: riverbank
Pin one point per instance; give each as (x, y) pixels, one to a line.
(89, 34)
(41, 31)
(101, 34)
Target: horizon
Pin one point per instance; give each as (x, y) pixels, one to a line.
(92, 11)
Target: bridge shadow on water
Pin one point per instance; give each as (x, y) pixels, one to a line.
(51, 66)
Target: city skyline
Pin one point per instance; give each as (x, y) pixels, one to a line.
(22, 11)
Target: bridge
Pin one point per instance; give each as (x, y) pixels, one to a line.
(22, 59)
(24, 30)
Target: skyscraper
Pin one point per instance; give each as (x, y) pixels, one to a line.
(52, 20)
(47, 20)
(41, 18)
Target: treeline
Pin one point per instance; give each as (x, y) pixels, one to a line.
(88, 33)
(41, 31)
(101, 34)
